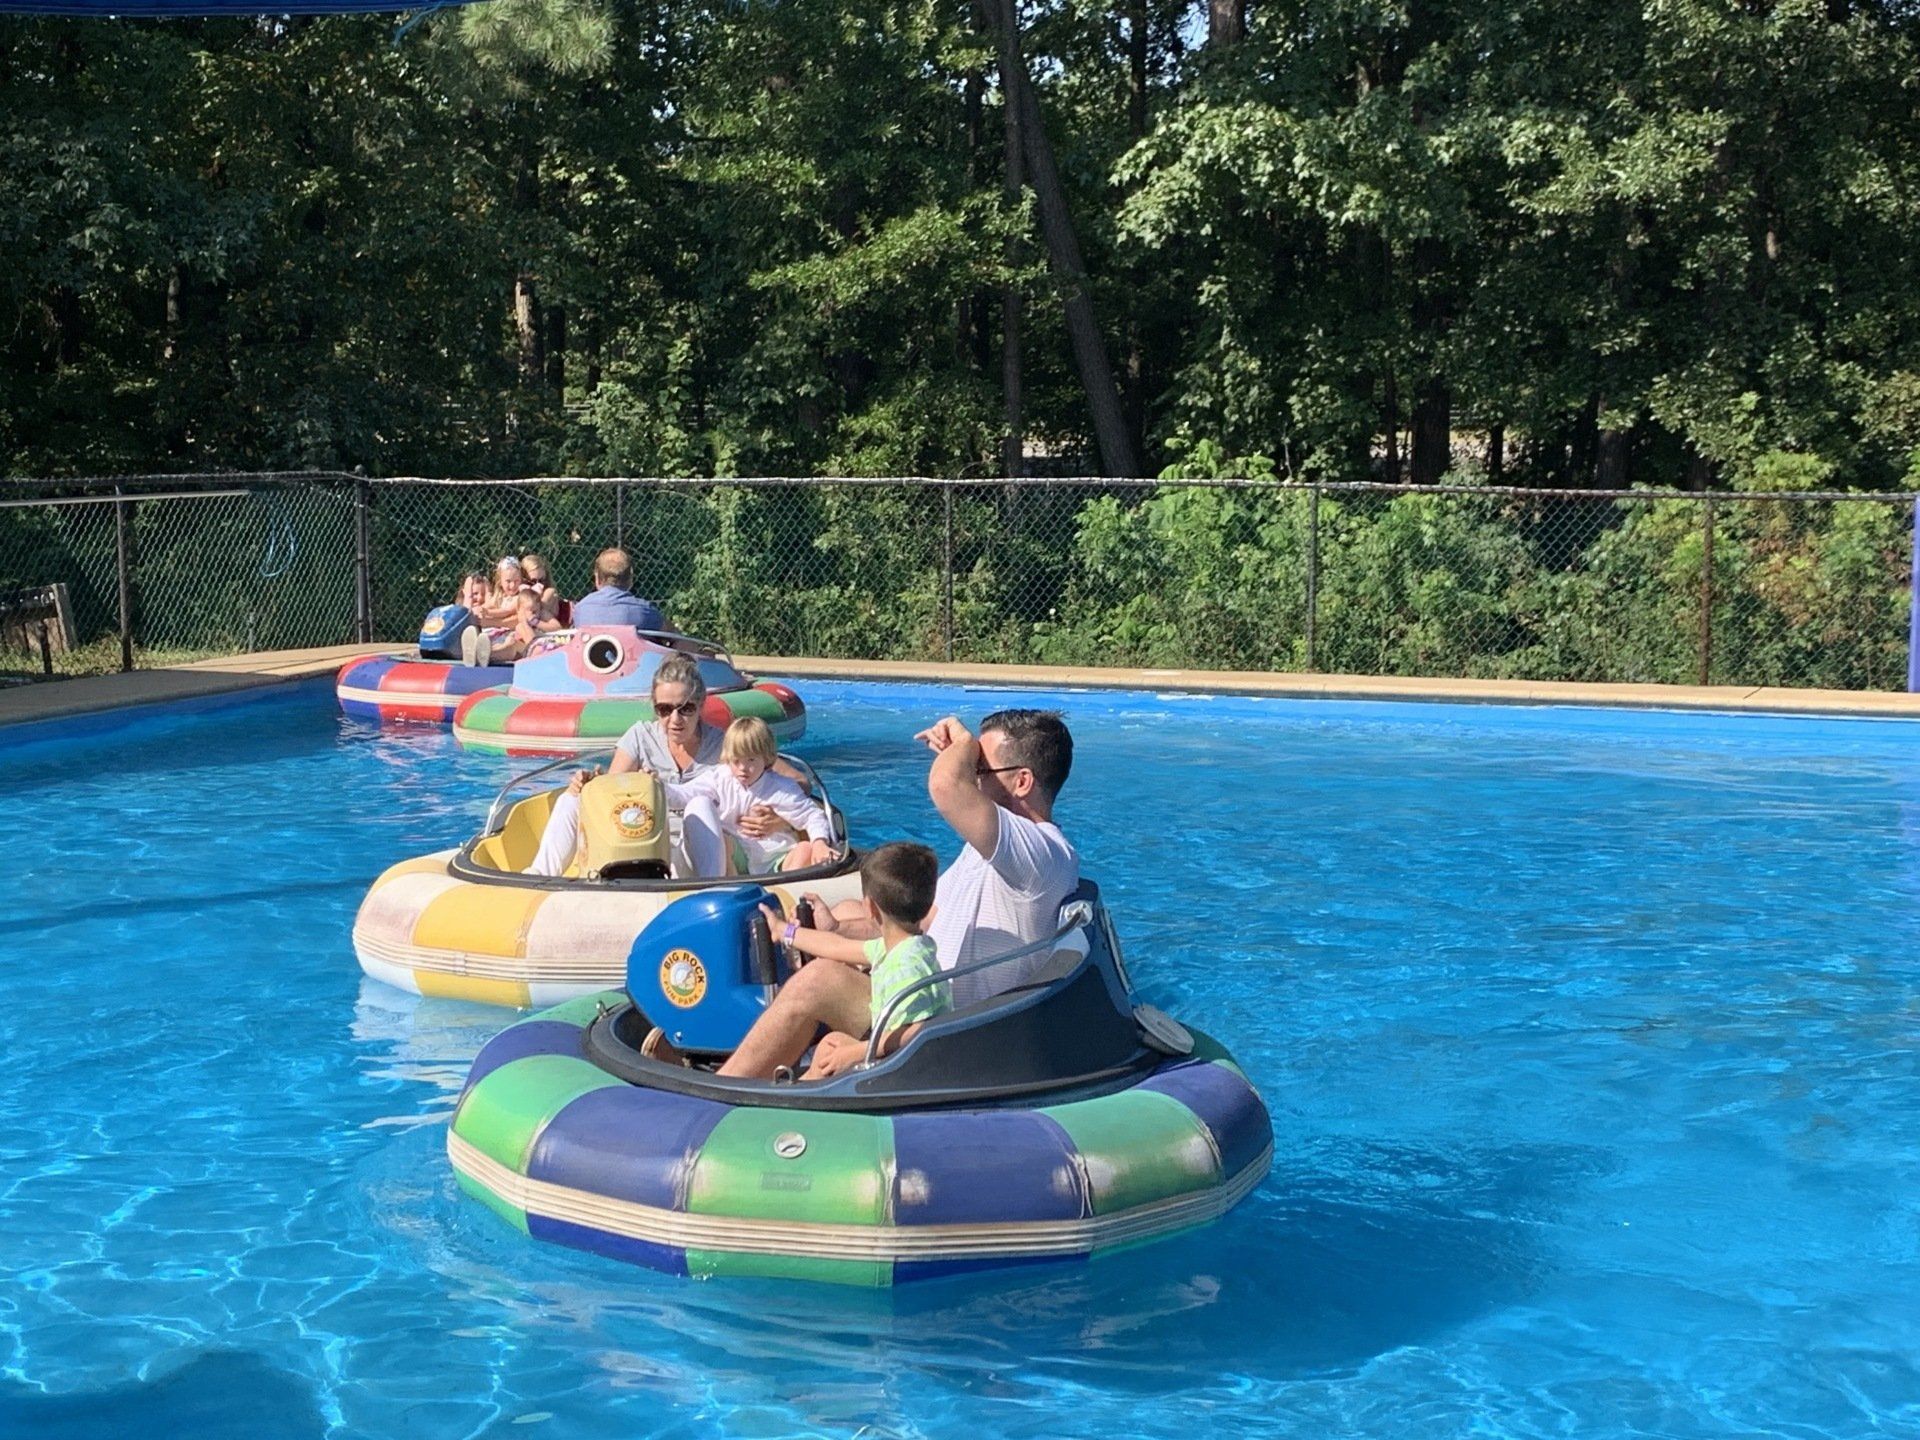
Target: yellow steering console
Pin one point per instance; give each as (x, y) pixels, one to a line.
(623, 827)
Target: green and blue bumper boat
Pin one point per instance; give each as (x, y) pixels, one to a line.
(1052, 1123)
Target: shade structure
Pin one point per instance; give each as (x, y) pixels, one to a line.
(149, 9)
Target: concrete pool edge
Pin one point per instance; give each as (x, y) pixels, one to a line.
(1766, 700)
(41, 700)
(201, 679)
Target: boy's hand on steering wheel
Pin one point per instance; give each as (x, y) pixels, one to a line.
(824, 920)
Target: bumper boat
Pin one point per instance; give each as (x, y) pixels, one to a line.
(1054, 1122)
(583, 688)
(471, 924)
(421, 689)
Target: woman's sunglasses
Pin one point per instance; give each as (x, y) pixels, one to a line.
(687, 708)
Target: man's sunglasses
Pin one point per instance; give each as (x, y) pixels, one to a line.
(688, 708)
(996, 769)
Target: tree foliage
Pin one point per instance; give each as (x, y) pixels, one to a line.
(1645, 244)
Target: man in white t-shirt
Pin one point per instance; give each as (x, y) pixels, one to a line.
(1014, 872)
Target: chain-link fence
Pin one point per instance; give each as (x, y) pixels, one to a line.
(150, 572)
(1741, 588)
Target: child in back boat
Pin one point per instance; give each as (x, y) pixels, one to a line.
(714, 802)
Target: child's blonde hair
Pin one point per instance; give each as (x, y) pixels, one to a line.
(498, 585)
(749, 738)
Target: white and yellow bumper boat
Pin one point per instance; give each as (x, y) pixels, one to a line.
(471, 924)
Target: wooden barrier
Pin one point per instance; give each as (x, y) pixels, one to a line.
(38, 620)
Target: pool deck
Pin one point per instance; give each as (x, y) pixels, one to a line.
(88, 694)
(198, 679)
(1764, 699)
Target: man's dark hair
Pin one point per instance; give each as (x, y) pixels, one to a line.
(1037, 739)
(899, 878)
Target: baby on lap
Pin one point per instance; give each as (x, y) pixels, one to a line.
(726, 792)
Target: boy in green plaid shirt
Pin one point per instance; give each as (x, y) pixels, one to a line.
(899, 881)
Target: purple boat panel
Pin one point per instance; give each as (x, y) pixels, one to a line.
(532, 1037)
(984, 1167)
(670, 1258)
(627, 1143)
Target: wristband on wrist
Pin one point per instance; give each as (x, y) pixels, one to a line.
(793, 928)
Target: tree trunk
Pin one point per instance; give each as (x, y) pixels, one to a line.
(526, 299)
(526, 327)
(1063, 249)
(1390, 420)
(170, 341)
(1614, 451)
(1012, 399)
(64, 319)
(1432, 399)
(1432, 432)
(1226, 22)
(970, 317)
(1700, 470)
(1585, 445)
(1137, 68)
(1496, 453)
(556, 347)
(1136, 368)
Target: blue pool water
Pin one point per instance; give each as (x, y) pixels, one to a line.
(1590, 1039)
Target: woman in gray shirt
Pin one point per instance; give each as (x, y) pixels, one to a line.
(676, 745)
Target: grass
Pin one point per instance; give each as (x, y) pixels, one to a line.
(97, 657)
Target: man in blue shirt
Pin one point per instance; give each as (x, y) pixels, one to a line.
(613, 601)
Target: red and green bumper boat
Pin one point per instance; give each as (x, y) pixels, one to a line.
(582, 689)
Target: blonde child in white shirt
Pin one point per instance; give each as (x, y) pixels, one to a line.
(714, 801)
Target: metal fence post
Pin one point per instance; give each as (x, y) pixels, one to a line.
(946, 568)
(1913, 606)
(362, 562)
(620, 516)
(1313, 576)
(123, 569)
(1706, 591)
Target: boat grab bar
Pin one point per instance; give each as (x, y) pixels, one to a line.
(1075, 916)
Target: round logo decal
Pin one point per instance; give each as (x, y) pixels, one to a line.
(435, 624)
(683, 978)
(633, 819)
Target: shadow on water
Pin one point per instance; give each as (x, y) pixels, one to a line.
(95, 910)
(1347, 1252)
(219, 1395)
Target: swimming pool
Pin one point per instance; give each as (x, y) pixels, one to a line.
(1590, 1040)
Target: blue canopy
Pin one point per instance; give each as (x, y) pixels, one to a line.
(127, 9)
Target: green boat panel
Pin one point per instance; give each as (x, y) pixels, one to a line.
(504, 1114)
(489, 714)
(582, 1010)
(610, 719)
(794, 1165)
(1137, 1147)
(712, 1264)
(741, 703)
